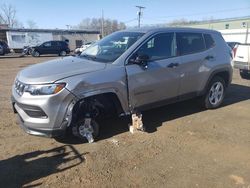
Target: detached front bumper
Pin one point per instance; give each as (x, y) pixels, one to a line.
(47, 116)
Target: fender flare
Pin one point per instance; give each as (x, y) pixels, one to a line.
(217, 71)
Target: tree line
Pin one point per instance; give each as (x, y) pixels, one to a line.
(109, 25)
(8, 17)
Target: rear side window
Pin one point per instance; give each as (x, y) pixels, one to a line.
(64, 44)
(161, 46)
(188, 43)
(54, 43)
(209, 41)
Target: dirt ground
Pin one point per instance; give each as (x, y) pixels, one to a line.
(184, 146)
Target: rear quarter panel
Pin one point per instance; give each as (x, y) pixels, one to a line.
(222, 61)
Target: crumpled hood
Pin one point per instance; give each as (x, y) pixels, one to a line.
(53, 70)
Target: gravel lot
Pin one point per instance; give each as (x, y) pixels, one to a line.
(184, 146)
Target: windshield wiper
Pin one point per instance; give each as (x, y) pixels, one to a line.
(89, 57)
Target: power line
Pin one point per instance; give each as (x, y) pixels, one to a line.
(196, 14)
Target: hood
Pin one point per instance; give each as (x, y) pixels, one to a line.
(51, 71)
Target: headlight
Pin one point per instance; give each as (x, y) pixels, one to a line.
(44, 89)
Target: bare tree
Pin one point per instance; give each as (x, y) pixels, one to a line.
(31, 24)
(181, 22)
(96, 24)
(8, 15)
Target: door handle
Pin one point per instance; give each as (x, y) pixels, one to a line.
(209, 57)
(173, 65)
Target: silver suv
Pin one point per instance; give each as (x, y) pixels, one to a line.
(124, 73)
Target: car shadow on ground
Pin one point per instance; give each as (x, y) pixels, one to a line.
(23, 169)
(154, 118)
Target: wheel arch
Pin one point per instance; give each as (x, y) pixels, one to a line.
(224, 73)
(105, 99)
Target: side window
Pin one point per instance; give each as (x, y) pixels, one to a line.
(54, 43)
(209, 41)
(188, 43)
(47, 44)
(161, 46)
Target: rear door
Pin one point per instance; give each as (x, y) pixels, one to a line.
(192, 50)
(55, 47)
(160, 79)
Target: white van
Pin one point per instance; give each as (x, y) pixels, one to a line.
(242, 60)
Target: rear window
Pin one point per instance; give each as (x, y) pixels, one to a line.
(62, 43)
(188, 43)
(209, 41)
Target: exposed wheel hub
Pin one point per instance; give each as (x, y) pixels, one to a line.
(86, 130)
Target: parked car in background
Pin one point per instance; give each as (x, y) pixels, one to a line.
(1, 49)
(242, 60)
(51, 47)
(4, 48)
(83, 47)
(151, 68)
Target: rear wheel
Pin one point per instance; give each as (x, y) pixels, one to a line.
(215, 93)
(245, 74)
(63, 53)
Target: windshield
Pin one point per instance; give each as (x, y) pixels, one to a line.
(111, 47)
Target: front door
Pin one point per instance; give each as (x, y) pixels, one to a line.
(159, 80)
(45, 48)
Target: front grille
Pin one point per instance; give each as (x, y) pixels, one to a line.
(19, 87)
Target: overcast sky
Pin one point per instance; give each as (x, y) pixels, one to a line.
(59, 13)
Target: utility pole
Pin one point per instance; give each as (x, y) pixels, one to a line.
(247, 32)
(102, 24)
(68, 27)
(139, 15)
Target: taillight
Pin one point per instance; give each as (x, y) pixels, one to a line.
(234, 50)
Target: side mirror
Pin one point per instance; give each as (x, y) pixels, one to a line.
(141, 60)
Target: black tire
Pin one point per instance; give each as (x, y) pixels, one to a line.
(30, 51)
(213, 99)
(76, 129)
(245, 74)
(35, 54)
(63, 53)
